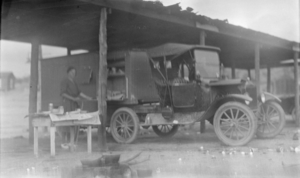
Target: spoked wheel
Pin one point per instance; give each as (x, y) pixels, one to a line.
(271, 119)
(165, 130)
(235, 124)
(124, 125)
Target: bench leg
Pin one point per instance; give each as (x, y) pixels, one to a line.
(52, 141)
(72, 138)
(89, 139)
(36, 141)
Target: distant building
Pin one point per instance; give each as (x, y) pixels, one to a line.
(7, 81)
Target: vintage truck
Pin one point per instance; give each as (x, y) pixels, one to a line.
(172, 85)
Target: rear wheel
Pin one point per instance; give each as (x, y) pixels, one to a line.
(235, 124)
(165, 130)
(124, 125)
(271, 119)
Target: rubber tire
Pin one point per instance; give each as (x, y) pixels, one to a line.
(247, 111)
(281, 124)
(171, 133)
(135, 122)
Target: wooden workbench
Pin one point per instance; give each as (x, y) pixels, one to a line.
(44, 120)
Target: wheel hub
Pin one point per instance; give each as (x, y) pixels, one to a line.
(233, 123)
(122, 129)
(264, 119)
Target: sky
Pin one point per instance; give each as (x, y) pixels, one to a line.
(276, 17)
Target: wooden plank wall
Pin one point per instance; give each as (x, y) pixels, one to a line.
(54, 70)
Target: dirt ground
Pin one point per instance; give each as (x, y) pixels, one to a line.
(187, 154)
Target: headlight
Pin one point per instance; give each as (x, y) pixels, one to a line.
(262, 98)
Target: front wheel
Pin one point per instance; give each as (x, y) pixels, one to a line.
(165, 130)
(124, 125)
(235, 124)
(271, 119)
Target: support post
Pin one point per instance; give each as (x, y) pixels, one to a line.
(39, 106)
(257, 68)
(202, 42)
(34, 72)
(296, 56)
(268, 79)
(202, 37)
(102, 82)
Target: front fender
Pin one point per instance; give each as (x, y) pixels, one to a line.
(210, 112)
(239, 96)
(270, 96)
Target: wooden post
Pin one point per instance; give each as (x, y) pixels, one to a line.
(233, 71)
(268, 79)
(34, 72)
(52, 140)
(89, 139)
(36, 142)
(296, 56)
(202, 37)
(39, 106)
(202, 42)
(257, 69)
(102, 82)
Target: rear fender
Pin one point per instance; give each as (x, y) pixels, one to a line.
(210, 112)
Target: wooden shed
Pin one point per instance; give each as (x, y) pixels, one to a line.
(7, 81)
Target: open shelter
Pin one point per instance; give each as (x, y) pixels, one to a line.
(102, 26)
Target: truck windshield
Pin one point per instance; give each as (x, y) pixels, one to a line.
(207, 63)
